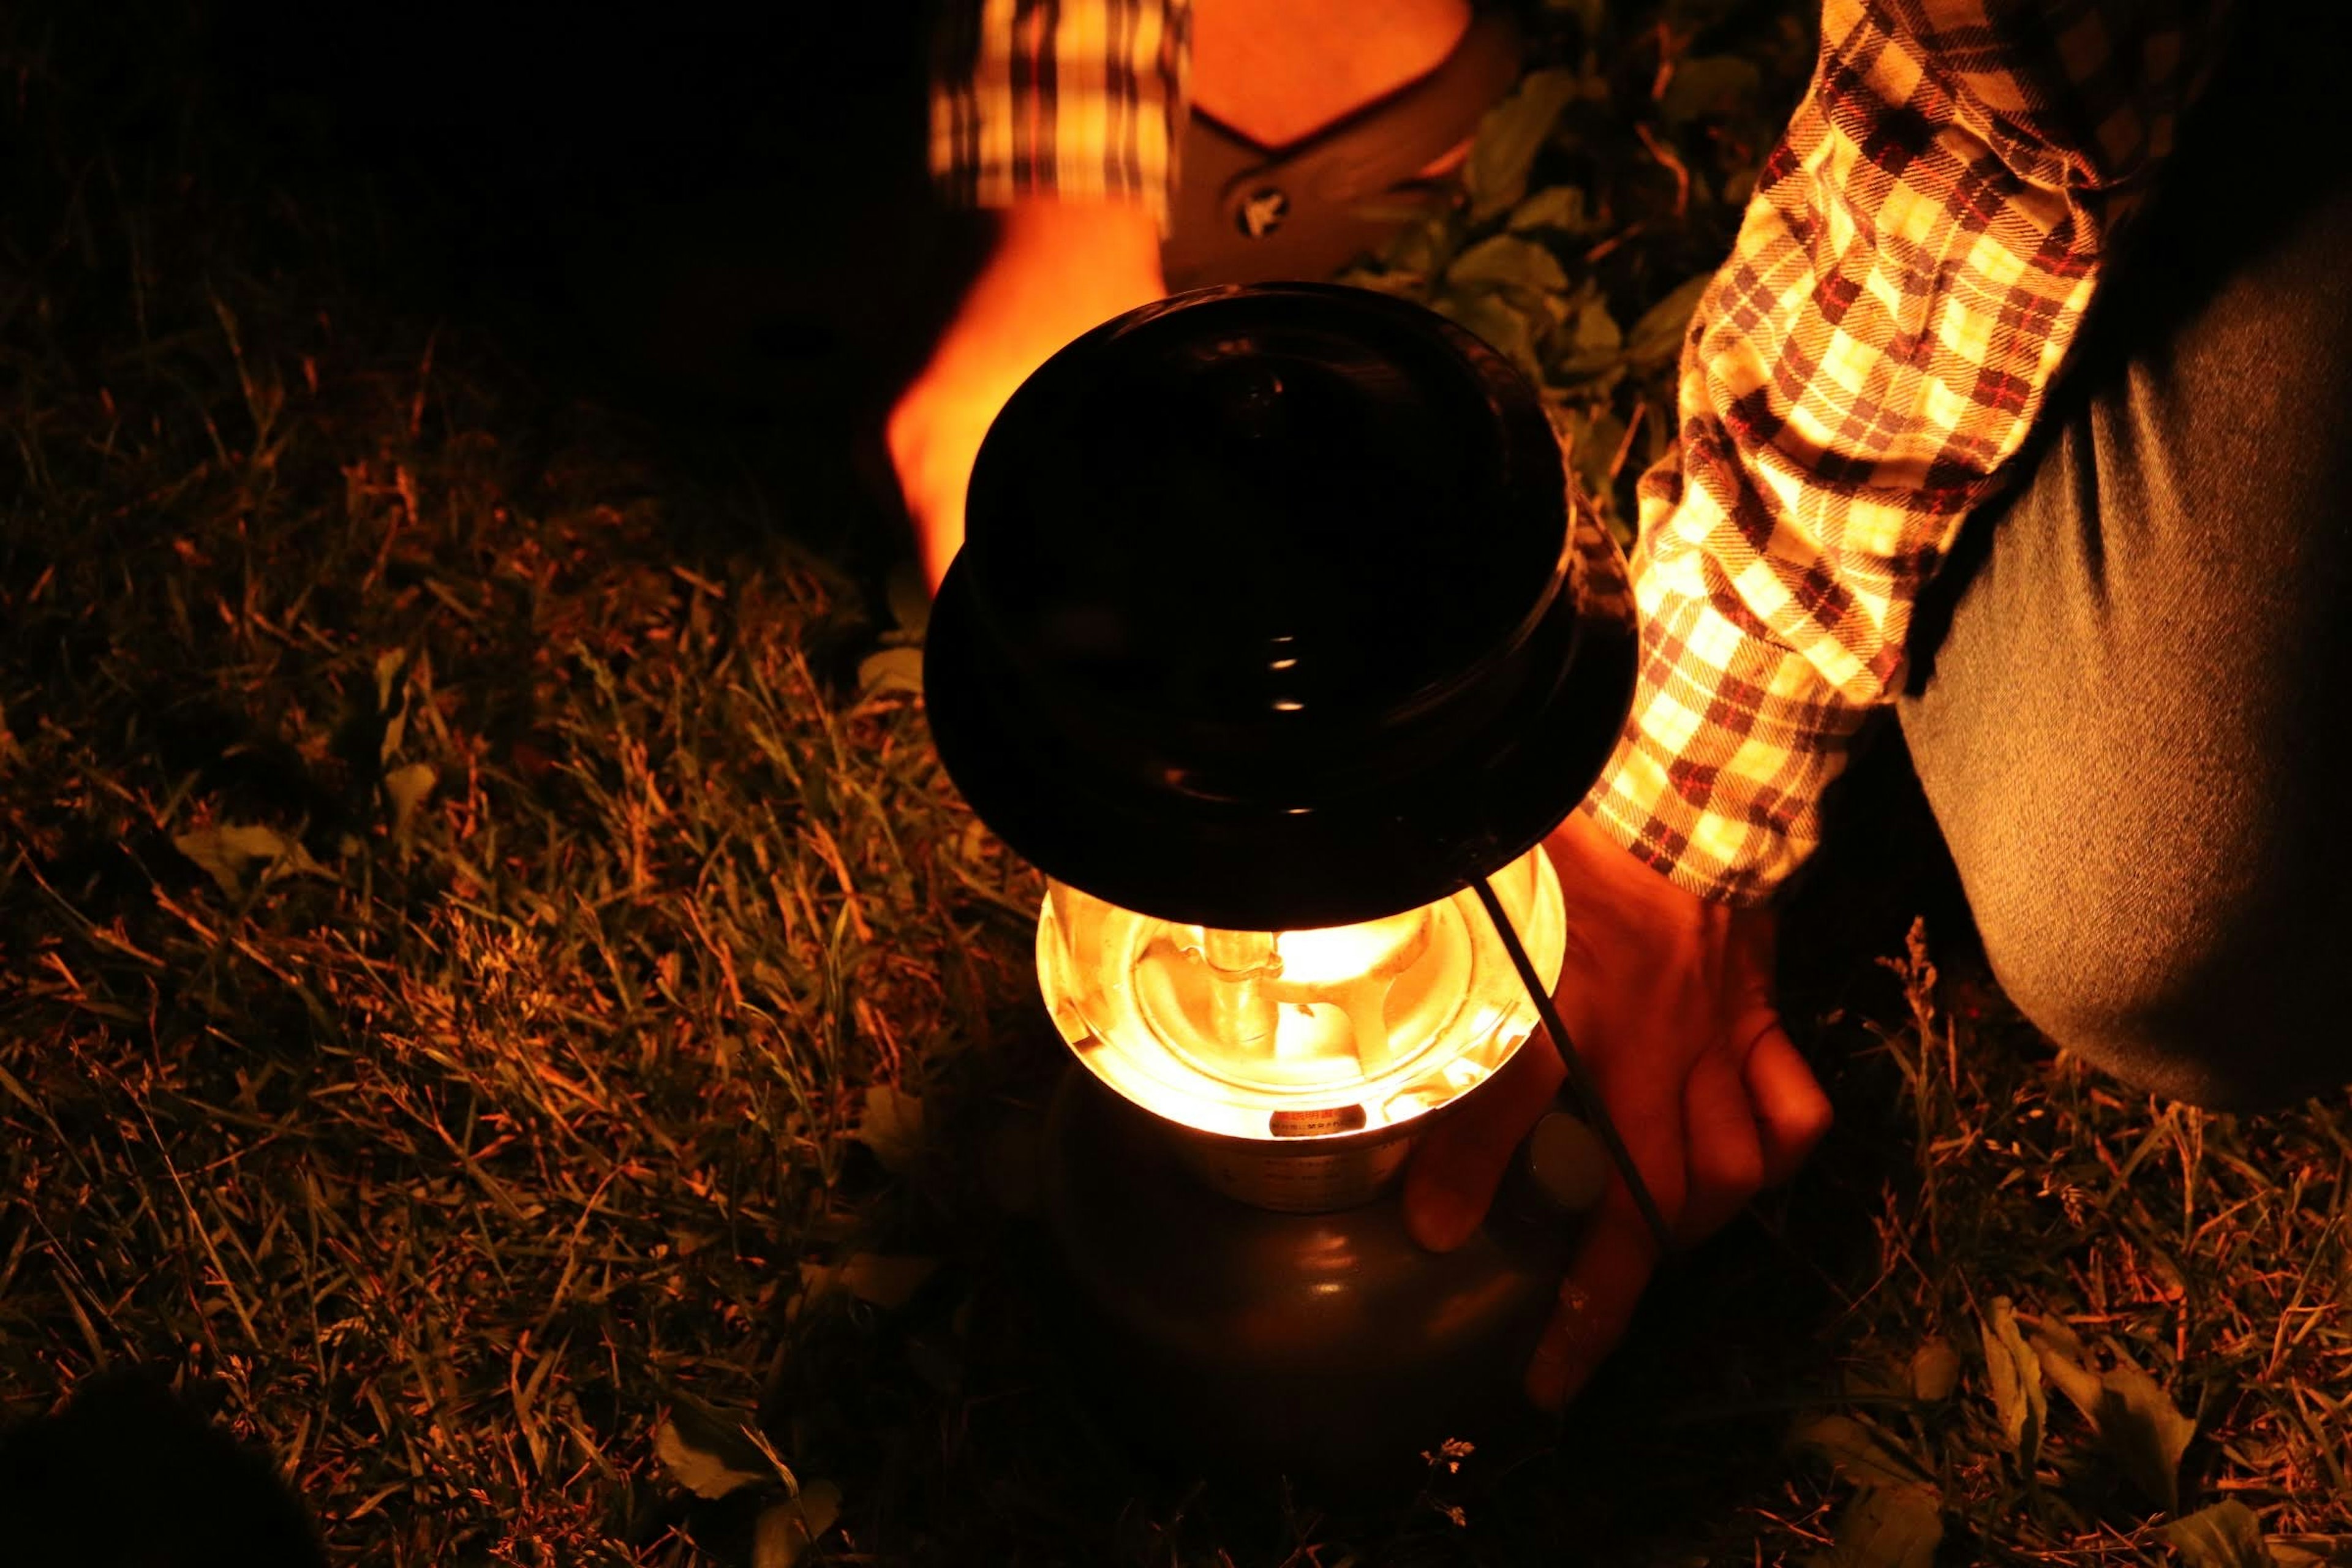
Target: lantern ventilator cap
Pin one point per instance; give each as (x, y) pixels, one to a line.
(1270, 613)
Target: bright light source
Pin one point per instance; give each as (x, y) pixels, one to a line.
(1302, 1034)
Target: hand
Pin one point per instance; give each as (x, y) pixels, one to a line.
(1058, 269)
(1668, 997)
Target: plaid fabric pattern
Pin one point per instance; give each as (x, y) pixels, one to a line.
(1908, 281)
(1078, 99)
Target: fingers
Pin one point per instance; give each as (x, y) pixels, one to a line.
(1613, 1262)
(1596, 1301)
(1790, 1110)
(1723, 1154)
(1459, 1164)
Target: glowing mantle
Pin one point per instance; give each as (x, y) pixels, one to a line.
(1304, 1034)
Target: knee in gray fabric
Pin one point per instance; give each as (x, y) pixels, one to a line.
(2176, 1007)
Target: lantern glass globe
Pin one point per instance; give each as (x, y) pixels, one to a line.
(1320, 1033)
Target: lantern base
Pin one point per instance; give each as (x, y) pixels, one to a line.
(1327, 1347)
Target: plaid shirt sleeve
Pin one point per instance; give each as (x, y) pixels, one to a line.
(1906, 281)
(1081, 100)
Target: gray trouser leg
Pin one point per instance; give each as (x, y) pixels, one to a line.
(2133, 725)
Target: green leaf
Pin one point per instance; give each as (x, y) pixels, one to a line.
(1886, 1526)
(1935, 1370)
(1855, 1451)
(1558, 207)
(892, 669)
(2136, 1421)
(406, 788)
(232, 849)
(1509, 262)
(2016, 1376)
(1657, 338)
(1509, 136)
(2226, 1535)
(1710, 84)
(1595, 343)
(1421, 247)
(713, 1454)
(892, 1126)
(784, 1530)
(1493, 318)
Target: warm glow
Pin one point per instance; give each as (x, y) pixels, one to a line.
(1297, 1034)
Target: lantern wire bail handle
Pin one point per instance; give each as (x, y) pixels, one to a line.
(1580, 1077)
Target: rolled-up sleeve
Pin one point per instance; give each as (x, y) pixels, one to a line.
(1907, 281)
(1072, 100)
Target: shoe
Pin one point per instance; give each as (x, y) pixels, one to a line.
(1248, 213)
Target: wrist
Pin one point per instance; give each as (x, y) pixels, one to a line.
(1056, 269)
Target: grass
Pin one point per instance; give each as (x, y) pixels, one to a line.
(472, 950)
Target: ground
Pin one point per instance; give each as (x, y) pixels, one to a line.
(501, 1007)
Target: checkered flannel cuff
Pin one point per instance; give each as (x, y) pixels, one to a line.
(1717, 778)
(1078, 101)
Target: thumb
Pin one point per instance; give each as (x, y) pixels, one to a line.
(1460, 1161)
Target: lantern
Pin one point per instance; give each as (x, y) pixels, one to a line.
(1276, 644)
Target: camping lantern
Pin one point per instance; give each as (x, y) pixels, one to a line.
(1277, 644)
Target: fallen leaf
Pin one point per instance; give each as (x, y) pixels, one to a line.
(1509, 136)
(231, 850)
(784, 1530)
(407, 788)
(885, 1280)
(1511, 262)
(1935, 1370)
(390, 666)
(2226, 1535)
(2136, 1421)
(1886, 1526)
(2016, 1375)
(712, 1455)
(1855, 1451)
(1555, 207)
(892, 1126)
(892, 669)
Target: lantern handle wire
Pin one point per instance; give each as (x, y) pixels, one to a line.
(1579, 1075)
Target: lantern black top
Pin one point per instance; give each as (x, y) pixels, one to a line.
(1269, 616)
